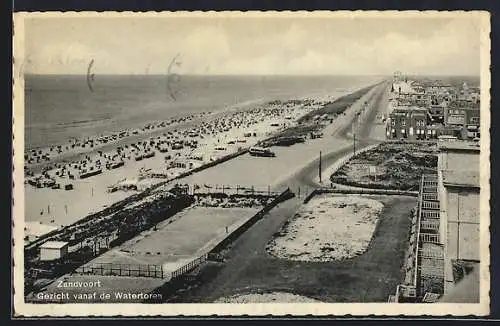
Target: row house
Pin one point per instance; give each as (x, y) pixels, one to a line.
(407, 123)
(466, 103)
(465, 118)
(436, 113)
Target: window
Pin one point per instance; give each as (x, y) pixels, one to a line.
(474, 120)
(403, 123)
(393, 122)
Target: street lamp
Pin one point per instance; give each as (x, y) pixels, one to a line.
(355, 127)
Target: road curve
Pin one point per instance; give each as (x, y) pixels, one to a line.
(306, 177)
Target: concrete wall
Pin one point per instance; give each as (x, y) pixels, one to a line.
(460, 211)
(464, 160)
(463, 224)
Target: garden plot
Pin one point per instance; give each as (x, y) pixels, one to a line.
(327, 228)
(391, 165)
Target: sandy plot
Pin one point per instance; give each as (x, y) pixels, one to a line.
(328, 228)
(277, 297)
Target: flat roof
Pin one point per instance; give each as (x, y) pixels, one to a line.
(53, 244)
(405, 109)
(458, 145)
(461, 178)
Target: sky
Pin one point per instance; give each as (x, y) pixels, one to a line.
(230, 45)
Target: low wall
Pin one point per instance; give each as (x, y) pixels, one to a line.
(311, 195)
(211, 164)
(365, 191)
(361, 191)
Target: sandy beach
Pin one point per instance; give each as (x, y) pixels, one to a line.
(66, 191)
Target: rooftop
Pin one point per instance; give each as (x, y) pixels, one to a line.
(458, 145)
(466, 291)
(461, 178)
(409, 109)
(53, 244)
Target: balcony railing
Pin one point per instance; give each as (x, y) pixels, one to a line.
(430, 205)
(429, 238)
(430, 214)
(430, 197)
(427, 225)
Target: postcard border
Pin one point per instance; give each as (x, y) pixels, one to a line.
(323, 309)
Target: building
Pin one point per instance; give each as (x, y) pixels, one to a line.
(398, 76)
(52, 250)
(436, 113)
(407, 123)
(466, 118)
(459, 193)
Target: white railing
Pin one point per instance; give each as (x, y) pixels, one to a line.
(419, 217)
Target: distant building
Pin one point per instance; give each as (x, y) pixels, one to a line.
(467, 118)
(436, 113)
(407, 123)
(398, 76)
(52, 250)
(459, 193)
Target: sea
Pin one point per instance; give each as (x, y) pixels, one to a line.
(61, 107)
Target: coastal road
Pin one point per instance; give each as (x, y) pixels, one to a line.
(292, 165)
(248, 266)
(370, 132)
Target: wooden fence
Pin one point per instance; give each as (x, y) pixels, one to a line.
(138, 270)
